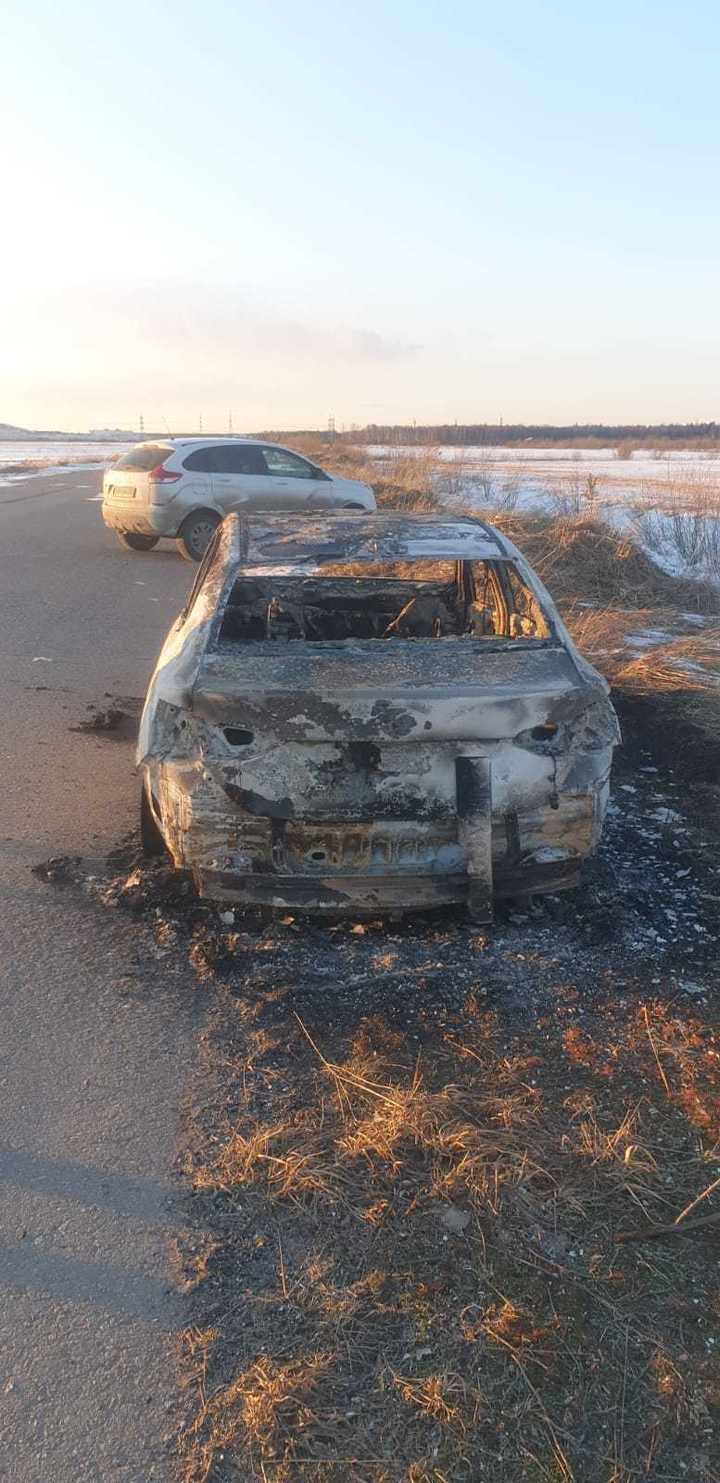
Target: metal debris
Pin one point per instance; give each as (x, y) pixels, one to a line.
(58, 870)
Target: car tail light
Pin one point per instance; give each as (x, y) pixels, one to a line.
(546, 738)
(588, 724)
(237, 737)
(161, 475)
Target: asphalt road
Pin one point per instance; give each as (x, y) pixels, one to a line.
(96, 1036)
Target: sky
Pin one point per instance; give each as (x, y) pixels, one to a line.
(387, 211)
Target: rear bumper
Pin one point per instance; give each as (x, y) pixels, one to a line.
(141, 520)
(238, 852)
(353, 895)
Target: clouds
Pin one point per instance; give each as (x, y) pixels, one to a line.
(224, 324)
(95, 352)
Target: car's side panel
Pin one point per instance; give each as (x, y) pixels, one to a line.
(290, 484)
(237, 477)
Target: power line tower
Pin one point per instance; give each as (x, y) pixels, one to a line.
(331, 429)
(142, 423)
(230, 427)
(200, 422)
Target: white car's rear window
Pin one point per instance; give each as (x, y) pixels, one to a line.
(145, 457)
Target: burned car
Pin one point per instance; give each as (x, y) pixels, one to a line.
(373, 713)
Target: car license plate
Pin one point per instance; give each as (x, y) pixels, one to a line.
(122, 491)
(362, 849)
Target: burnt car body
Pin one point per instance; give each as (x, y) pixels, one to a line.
(373, 713)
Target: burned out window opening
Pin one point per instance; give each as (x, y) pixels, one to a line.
(360, 602)
(202, 571)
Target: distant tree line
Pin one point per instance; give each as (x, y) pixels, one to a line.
(490, 434)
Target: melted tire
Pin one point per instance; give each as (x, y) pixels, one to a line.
(151, 840)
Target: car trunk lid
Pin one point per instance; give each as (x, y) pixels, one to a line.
(385, 691)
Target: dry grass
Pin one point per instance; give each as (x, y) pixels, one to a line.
(420, 480)
(640, 650)
(402, 481)
(430, 1287)
(689, 529)
(40, 465)
(635, 623)
(580, 559)
(682, 666)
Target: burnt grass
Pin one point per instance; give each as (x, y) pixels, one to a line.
(411, 1150)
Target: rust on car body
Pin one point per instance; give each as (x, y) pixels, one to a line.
(371, 713)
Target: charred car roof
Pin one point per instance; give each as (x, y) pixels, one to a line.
(307, 541)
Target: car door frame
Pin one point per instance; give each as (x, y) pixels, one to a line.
(237, 489)
(308, 488)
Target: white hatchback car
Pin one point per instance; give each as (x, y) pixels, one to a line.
(183, 487)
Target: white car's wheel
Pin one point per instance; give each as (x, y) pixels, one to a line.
(196, 533)
(133, 541)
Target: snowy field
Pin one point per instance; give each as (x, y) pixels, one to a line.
(20, 459)
(668, 502)
(539, 476)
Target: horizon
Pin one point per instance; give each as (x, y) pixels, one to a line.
(390, 223)
(695, 428)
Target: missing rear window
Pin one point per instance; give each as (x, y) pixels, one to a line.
(405, 600)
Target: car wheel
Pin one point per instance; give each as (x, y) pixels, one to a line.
(353, 507)
(135, 542)
(195, 534)
(150, 837)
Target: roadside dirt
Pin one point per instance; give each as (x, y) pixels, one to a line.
(117, 720)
